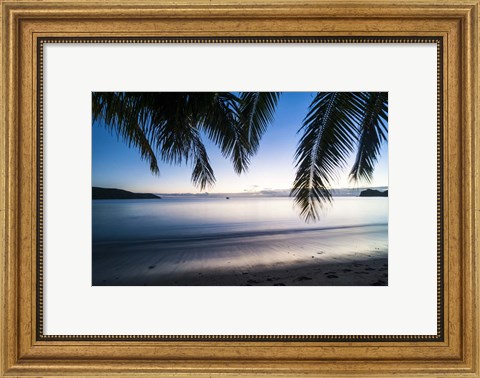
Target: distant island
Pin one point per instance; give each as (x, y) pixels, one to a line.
(373, 193)
(109, 193)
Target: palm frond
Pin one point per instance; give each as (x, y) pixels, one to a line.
(202, 174)
(166, 126)
(330, 131)
(222, 126)
(257, 110)
(373, 132)
(122, 116)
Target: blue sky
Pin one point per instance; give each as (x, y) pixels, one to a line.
(114, 165)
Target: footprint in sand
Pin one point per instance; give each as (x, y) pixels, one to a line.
(303, 278)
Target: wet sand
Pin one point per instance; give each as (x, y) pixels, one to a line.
(346, 256)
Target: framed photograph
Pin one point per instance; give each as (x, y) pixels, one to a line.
(244, 226)
(256, 188)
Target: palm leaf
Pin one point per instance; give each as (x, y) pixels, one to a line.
(166, 126)
(257, 110)
(202, 174)
(373, 132)
(223, 127)
(330, 131)
(122, 116)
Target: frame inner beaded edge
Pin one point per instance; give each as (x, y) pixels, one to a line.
(40, 336)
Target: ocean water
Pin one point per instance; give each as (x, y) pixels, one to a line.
(239, 241)
(170, 219)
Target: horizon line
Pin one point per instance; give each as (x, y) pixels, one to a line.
(264, 192)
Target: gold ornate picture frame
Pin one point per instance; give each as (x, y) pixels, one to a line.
(27, 26)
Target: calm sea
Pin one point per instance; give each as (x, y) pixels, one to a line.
(171, 219)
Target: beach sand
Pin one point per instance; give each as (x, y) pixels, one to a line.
(350, 256)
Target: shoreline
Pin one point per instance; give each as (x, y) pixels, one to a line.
(325, 257)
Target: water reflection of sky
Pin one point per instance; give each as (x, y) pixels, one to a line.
(140, 220)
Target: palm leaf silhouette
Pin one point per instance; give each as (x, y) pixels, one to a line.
(337, 123)
(373, 132)
(168, 126)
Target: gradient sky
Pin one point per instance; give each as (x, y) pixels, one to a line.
(114, 165)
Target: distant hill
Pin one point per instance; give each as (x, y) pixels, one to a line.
(373, 193)
(337, 192)
(109, 193)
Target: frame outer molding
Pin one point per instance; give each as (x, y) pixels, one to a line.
(25, 21)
